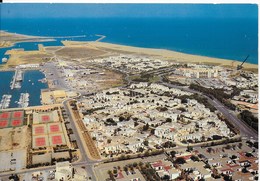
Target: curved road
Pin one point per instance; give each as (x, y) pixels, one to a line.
(244, 129)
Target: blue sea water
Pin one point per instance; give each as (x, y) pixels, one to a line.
(33, 87)
(230, 38)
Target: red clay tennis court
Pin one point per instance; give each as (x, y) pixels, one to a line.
(40, 141)
(5, 115)
(17, 114)
(56, 140)
(39, 130)
(45, 118)
(54, 128)
(16, 122)
(3, 123)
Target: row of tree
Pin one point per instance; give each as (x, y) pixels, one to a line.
(219, 94)
(249, 118)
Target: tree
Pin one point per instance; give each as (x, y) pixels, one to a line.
(146, 153)
(125, 168)
(109, 140)
(141, 164)
(136, 123)
(194, 158)
(216, 137)
(146, 143)
(166, 177)
(121, 118)
(180, 160)
(168, 120)
(173, 153)
(109, 172)
(140, 149)
(115, 171)
(207, 166)
(122, 157)
(134, 164)
(146, 127)
(189, 148)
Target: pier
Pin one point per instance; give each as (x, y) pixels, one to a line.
(101, 37)
(18, 77)
(24, 100)
(5, 102)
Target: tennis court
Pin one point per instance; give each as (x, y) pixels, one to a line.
(3, 123)
(17, 114)
(39, 130)
(5, 115)
(54, 128)
(16, 122)
(45, 118)
(40, 141)
(56, 140)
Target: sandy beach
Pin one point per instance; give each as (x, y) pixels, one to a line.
(10, 39)
(170, 55)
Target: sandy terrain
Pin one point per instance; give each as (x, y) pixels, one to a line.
(93, 49)
(159, 53)
(169, 55)
(14, 138)
(9, 39)
(76, 52)
(18, 57)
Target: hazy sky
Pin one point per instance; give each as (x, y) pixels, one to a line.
(127, 10)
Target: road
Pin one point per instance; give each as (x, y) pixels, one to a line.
(244, 129)
(84, 157)
(53, 73)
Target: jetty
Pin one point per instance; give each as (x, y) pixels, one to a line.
(101, 37)
(24, 100)
(5, 102)
(17, 78)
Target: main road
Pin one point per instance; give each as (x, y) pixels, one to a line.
(244, 129)
(84, 157)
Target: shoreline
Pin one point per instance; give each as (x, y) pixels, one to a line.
(170, 55)
(21, 38)
(164, 54)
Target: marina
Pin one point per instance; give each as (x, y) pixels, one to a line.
(5, 102)
(24, 100)
(30, 84)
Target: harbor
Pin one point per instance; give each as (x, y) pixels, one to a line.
(5, 102)
(29, 83)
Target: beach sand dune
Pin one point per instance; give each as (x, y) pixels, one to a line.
(164, 54)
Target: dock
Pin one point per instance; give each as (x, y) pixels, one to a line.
(24, 100)
(5, 102)
(17, 78)
(101, 37)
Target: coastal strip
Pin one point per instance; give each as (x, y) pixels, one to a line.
(170, 55)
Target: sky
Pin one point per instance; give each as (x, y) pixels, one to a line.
(38, 10)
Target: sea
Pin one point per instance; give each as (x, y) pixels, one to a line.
(228, 38)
